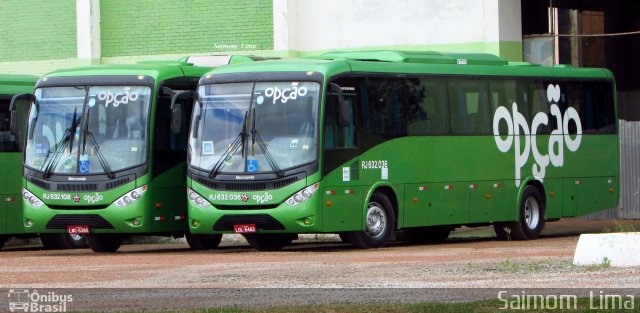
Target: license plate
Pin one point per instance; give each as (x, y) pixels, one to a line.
(78, 229)
(244, 228)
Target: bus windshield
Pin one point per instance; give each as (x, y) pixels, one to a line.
(88, 129)
(254, 127)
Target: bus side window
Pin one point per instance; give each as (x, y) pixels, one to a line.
(507, 92)
(337, 136)
(537, 97)
(428, 112)
(7, 141)
(593, 103)
(469, 104)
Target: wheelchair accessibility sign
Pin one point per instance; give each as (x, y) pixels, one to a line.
(252, 166)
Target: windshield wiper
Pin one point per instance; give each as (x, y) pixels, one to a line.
(256, 136)
(238, 142)
(61, 145)
(101, 159)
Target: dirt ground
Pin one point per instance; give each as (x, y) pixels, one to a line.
(466, 260)
(471, 258)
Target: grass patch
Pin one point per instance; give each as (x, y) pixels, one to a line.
(606, 263)
(621, 227)
(544, 266)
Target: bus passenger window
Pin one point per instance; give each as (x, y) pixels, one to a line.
(7, 140)
(429, 115)
(469, 104)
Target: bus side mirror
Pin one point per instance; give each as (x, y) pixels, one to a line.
(176, 110)
(344, 112)
(166, 91)
(13, 122)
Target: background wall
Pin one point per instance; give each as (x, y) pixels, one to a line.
(151, 27)
(46, 33)
(308, 27)
(38, 36)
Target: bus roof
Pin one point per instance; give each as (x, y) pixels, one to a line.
(413, 62)
(16, 84)
(158, 70)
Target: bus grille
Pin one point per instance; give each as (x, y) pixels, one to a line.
(61, 221)
(246, 207)
(262, 222)
(78, 207)
(77, 187)
(81, 186)
(116, 183)
(249, 185)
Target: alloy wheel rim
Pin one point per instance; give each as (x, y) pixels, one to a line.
(376, 220)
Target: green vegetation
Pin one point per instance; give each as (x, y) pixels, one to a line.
(621, 227)
(606, 263)
(547, 265)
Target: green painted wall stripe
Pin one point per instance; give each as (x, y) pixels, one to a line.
(149, 27)
(510, 50)
(37, 30)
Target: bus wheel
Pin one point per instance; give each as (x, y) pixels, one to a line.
(531, 222)
(3, 240)
(203, 242)
(71, 241)
(49, 241)
(270, 242)
(379, 220)
(433, 234)
(104, 242)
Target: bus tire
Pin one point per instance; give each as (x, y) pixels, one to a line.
(503, 231)
(531, 221)
(270, 242)
(104, 242)
(203, 242)
(379, 224)
(431, 234)
(68, 241)
(49, 241)
(3, 240)
(344, 236)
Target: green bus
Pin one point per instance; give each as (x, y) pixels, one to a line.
(105, 153)
(367, 143)
(12, 128)
(11, 149)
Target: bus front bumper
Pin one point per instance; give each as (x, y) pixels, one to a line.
(135, 219)
(302, 218)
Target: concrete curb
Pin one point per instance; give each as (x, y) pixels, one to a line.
(614, 249)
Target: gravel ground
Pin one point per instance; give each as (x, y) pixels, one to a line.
(470, 259)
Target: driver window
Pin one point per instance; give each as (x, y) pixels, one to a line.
(337, 136)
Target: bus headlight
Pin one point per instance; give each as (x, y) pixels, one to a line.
(302, 195)
(130, 197)
(31, 198)
(196, 199)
